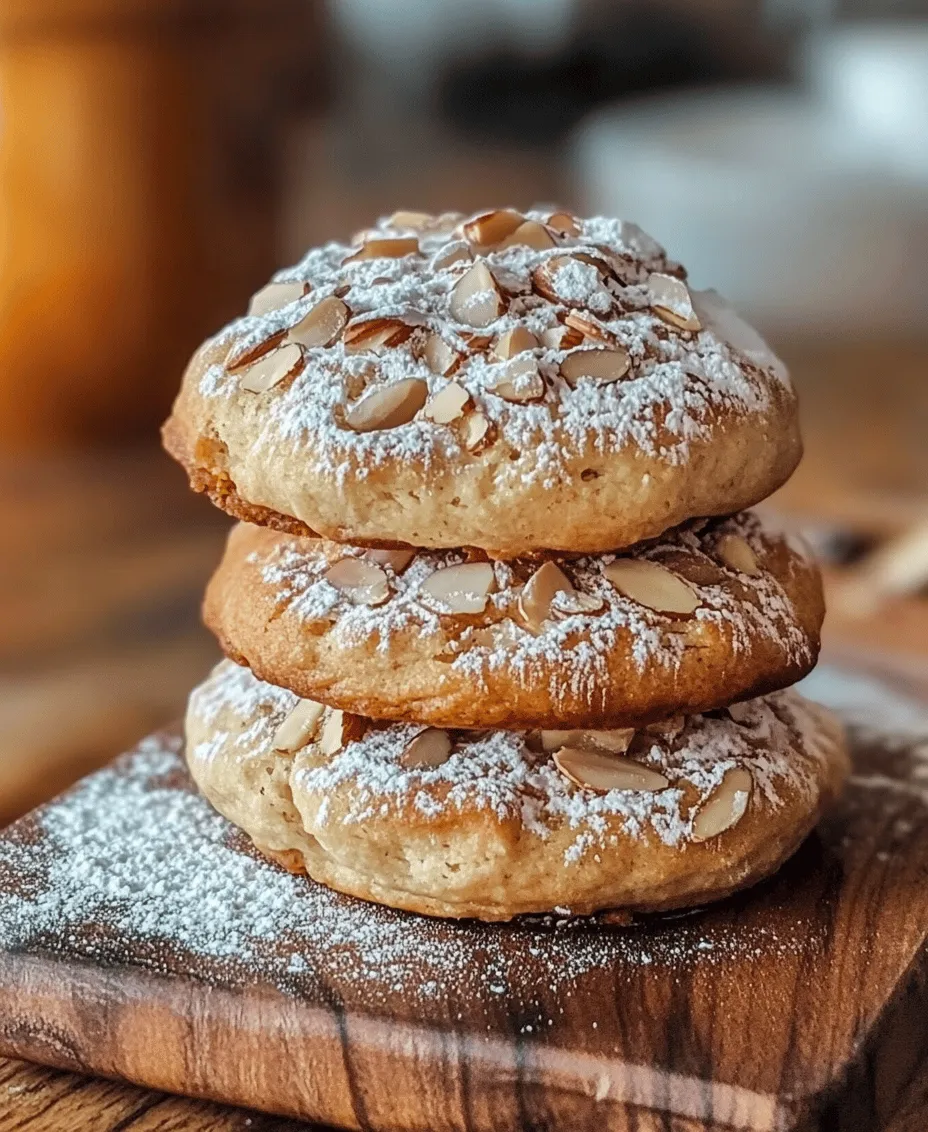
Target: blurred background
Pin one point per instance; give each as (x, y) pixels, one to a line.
(159, 158)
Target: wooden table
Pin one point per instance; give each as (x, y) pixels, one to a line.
(102, 563)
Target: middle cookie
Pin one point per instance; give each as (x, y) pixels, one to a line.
(708, 614)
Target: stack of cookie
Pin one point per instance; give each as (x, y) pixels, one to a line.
(502, 638)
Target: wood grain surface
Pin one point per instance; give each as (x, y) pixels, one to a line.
(799, 1006)
(34, 1098)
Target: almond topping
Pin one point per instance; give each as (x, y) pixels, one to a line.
(453, 253)
(538, 593)
(602, 773)
(668, 728)
(464, 588)
(374, 333)
(276, 295)
(574, 603)
(430, 748)
(735, 552)
(564, 223)
(514, 342)
(489, 229)
(272, 368)
(408, 219)
(567, 279)
(363, 582)
(439, 356)
(476, 343)
(561, 338)
(522, 383)
(321, 325)
(726, 805)
(671, 301)
(616, 742)
(589, 328)
(388, 407)
(476, 427)
(241, 357)
(299, 727)
(603, 366)
(652, 586)
(740, 713)
(397, 560)
(476, 300)
(385, 249)
(531, 234)
(340, 729)
(447, 404)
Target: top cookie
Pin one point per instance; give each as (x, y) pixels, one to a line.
(518, 383)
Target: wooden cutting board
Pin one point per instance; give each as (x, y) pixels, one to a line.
(141, 938)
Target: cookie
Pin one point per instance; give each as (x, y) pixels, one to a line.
(494, 824)
(709, 613)
(514, 383)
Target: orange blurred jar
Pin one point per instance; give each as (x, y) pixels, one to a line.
(138, 197)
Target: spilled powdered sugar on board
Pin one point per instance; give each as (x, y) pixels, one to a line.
(133, 867)
(679, 385)
(234, 716)
(570, 655)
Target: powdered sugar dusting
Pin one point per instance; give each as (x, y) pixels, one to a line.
(496, 772)
(678, 384)
(132, 867)
(570, 655)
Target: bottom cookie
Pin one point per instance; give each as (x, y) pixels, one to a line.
(494, 824)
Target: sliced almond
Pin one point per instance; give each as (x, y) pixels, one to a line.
(740, 713)
(590, 328)
(736, 553)
(274, 296)
(726, 805)
(340, 729)
(439, 356)
(457, 252)
(476, 427)
(671, 301)
(462, 589)
(652, 585)
(576, 603)
(530, 234)
(374, 333)
(299, 727)
(602, 773)
(476, 300)
(408, 219)
(429, 749)
(490, 228)
(564, 223)
(388, 407)
(513, 342)
(363, 582)
(552, 278)
(447, 404)
(668, 728)
(385, 249)
(241, 357)
(522, 382)
(561, 338)
(397, 560)
(616, 741)
(604, 366)
(321, 325)
(538, 593)
(476, 343)
(272, 368)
